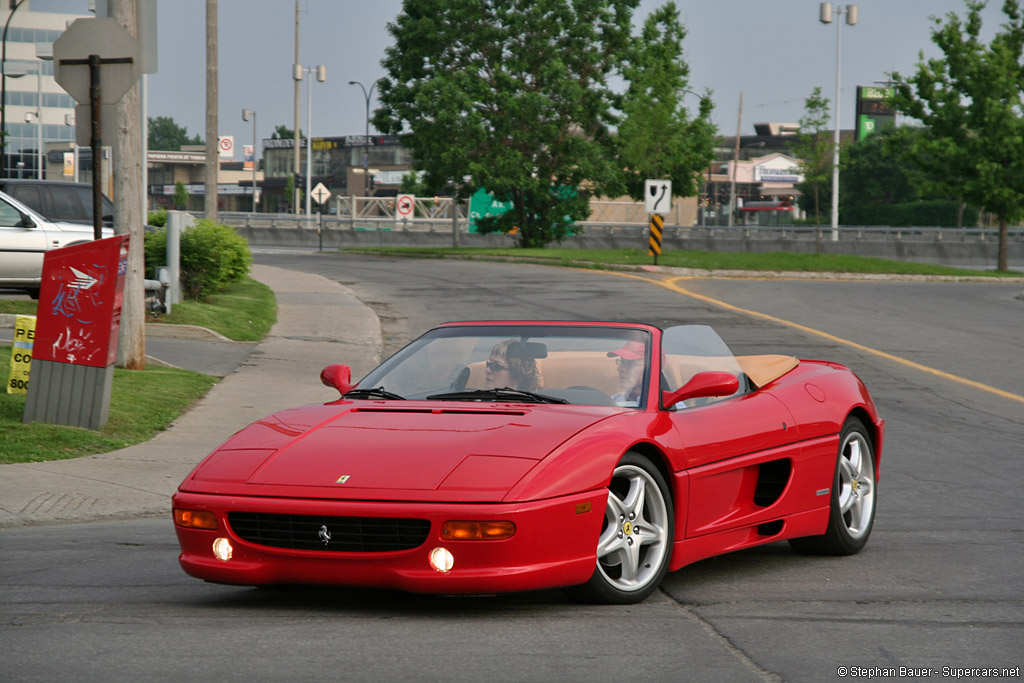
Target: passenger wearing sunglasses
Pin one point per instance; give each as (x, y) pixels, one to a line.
(503, 370)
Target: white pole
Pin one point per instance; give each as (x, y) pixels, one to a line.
(835, 143)
(309, 141)
(254, 162)
(39, 120)
(144, 115)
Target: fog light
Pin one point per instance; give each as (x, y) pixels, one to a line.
(441, 560)
(222, 549)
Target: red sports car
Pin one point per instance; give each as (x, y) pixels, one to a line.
(489, 457)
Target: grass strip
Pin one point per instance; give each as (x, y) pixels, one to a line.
(244, 311)
(697, 260)
(142, 403)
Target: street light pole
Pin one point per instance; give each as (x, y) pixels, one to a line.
(246, 115)
(368, 95)
(825, 16)
(321, 76)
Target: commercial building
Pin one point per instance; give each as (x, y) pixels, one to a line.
(35, 107)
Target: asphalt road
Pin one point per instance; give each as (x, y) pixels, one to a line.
(939, 585)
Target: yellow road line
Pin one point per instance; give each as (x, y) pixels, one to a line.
(671, 284)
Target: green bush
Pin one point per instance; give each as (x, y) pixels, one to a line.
(212, 257)
(928, 213)
(157, 218)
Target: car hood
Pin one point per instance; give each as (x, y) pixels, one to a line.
(380, 451)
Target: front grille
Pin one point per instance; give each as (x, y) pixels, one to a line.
(347, 534)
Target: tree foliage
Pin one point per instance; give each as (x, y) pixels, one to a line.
(212, 257)
(165, 134)
(970, 102)
(656, 138)
(512, 94)
(880, 170)
(814, 149)
(283, 132)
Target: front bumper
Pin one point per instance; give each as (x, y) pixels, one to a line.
(554, 545)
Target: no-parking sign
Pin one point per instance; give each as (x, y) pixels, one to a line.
(226, 144)
(405, 207)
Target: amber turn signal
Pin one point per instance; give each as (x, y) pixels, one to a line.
(195, 519)
(477, 531)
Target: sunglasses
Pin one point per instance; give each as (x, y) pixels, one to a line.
(495, 366)
(623, 363)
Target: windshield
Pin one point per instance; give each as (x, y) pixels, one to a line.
(534, 363)
(689, 349)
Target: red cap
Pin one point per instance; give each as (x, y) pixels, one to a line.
(632, 350)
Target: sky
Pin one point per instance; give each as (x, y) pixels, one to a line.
(774, 52)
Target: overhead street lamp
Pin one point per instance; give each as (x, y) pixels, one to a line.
(825, 17)
(368, 94)
(321, 75)
(246, 115)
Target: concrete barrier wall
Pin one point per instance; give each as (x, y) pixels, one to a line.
(924, 245)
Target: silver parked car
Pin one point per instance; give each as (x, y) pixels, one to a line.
(25, 236)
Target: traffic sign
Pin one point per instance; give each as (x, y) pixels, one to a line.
(226, 143)
(405, 207)
(658, 196)
(320, 194)
(109, 40)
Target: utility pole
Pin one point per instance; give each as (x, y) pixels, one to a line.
(129, 217)
(212, 142)
(297, 77)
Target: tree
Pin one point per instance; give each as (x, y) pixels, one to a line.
(512, 94)
(165, 134)
(880, 170)
(283, 132)
(656, 138)
(180, 198)
(814, 149)
(970, 102)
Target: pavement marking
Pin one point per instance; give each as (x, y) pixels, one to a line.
(671, 284)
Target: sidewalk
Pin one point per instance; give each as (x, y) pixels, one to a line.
(319, 322)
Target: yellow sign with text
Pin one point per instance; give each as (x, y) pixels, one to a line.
(21, 354)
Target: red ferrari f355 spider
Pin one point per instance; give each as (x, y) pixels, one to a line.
(489, 457)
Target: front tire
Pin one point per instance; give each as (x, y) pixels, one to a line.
(852, 514)
(635, 544)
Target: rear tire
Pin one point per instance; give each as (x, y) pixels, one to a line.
(852, 514)
(635, 544)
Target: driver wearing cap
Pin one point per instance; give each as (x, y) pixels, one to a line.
(630, 362)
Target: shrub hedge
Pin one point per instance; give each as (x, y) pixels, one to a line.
(212, 257)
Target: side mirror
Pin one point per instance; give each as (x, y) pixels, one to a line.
(339, 376)
(701, 385)
(26, 220)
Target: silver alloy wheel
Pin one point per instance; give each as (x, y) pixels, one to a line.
(856, 485)
(635, 540)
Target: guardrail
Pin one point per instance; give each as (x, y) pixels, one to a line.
(947, 246)
(845, 232)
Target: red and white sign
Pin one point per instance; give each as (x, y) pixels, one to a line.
(226, 143)
(405, 207)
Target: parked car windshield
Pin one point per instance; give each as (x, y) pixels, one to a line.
(564, 364)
